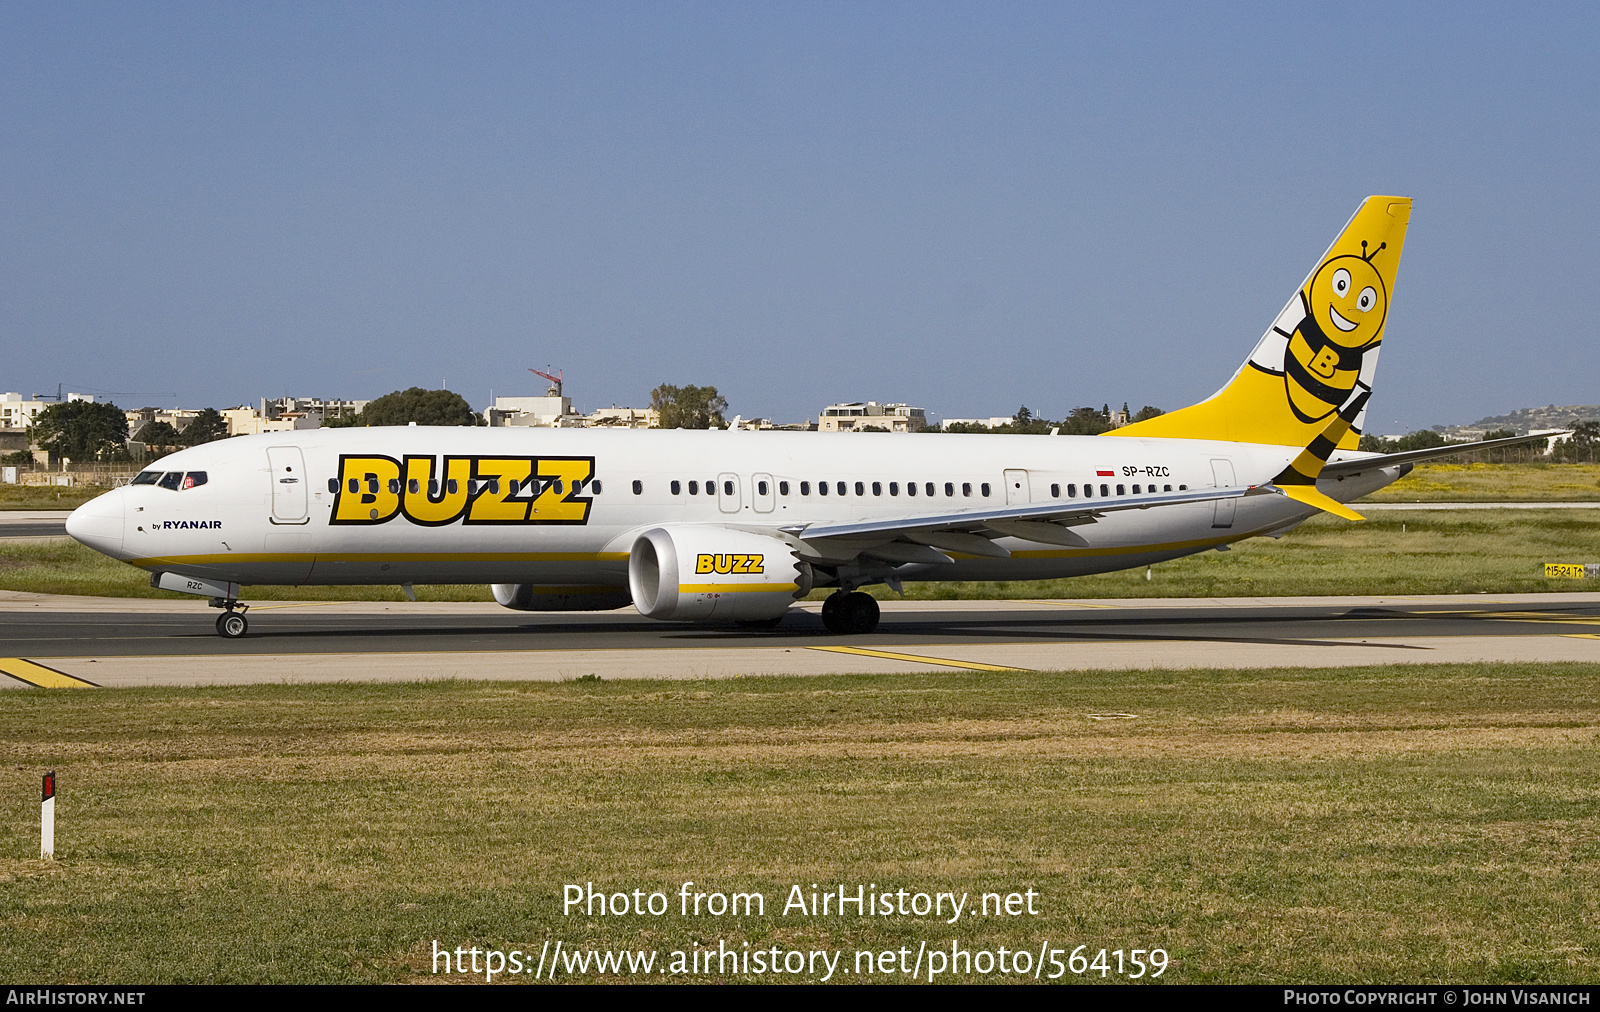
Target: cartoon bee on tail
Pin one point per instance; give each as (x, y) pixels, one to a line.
(1342, 309)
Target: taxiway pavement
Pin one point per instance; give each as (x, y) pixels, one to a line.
(119, 642)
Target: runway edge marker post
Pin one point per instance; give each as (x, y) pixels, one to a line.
(47, 818)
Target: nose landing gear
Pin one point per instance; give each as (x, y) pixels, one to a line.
(850, 614)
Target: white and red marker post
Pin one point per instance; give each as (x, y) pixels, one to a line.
(47, 818)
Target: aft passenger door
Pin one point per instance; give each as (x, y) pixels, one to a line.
(1222, 472)
(289, 496)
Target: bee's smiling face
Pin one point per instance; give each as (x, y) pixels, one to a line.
(1348, 301)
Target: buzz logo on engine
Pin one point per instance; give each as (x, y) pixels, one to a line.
(729, 563)
(473, 490)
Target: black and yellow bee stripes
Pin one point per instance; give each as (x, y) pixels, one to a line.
(375, 489)
(1319, 355)
(1298, 481)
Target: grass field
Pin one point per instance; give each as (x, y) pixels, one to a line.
(45, 497)
(1495, 483)
(1494, 551)
(1410, 823)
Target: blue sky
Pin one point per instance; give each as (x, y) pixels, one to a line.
(965, 206)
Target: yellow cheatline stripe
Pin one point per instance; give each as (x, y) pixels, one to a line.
(241, 557)
(41, 676)
(734, 588)
(919, 659)
(1581, 636)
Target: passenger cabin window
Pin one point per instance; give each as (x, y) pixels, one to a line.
(171, 480)
(394, 486)
(677, 489)
(949, 488)
(805, 488)
(1135, 490)
(877, 488)
(638, 487)
(928, 488)
(194, 479)
(727, 488)
(761, 487)
(822, 488)
(594, 486)
(839, 488)
(984, 488)
(861, 488)
(911, 487)
(1072, 491)
(1055, 491)
(414, 486)
(1166, 488)
(333, 483)
(151, 477)
(783, 488)
(694, 488)
(1105, 489)
(452, 486)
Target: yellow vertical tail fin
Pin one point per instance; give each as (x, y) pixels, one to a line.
(1319, 355)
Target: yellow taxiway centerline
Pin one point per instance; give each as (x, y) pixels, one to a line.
(41, 676)
(917, 659)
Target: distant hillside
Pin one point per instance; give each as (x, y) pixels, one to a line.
(1554, 416)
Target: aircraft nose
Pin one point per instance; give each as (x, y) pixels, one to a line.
(98, 523)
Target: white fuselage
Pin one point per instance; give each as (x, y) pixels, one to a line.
(280, 508)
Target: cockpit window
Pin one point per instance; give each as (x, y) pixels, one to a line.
(145, 478)
(194, 478)
(171, 480)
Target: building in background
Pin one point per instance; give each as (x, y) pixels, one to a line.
(141, 418)
(285, 414)
(856, 416)
(17, 412)
(979, 423)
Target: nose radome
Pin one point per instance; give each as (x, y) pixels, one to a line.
(98, 523)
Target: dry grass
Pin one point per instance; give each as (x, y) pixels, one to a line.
(1495, 483)
(1411, 824)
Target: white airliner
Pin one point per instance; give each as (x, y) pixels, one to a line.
(736, 525)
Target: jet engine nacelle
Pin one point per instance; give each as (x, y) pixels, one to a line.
(532, 597)
(702, 572)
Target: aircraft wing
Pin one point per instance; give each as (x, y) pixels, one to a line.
(970, 530)
(1355, 465)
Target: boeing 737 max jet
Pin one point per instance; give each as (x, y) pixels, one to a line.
(736, 525)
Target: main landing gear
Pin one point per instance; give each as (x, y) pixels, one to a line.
(849, 614)
(231, 623)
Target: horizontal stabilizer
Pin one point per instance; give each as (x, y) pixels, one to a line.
(1309, 495)
(1355, 465)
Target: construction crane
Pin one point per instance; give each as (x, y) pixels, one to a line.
(554, 391)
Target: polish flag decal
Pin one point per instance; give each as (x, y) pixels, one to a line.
(1105, 474)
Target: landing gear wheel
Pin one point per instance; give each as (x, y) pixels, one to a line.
(850, 614)
(231, 625)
